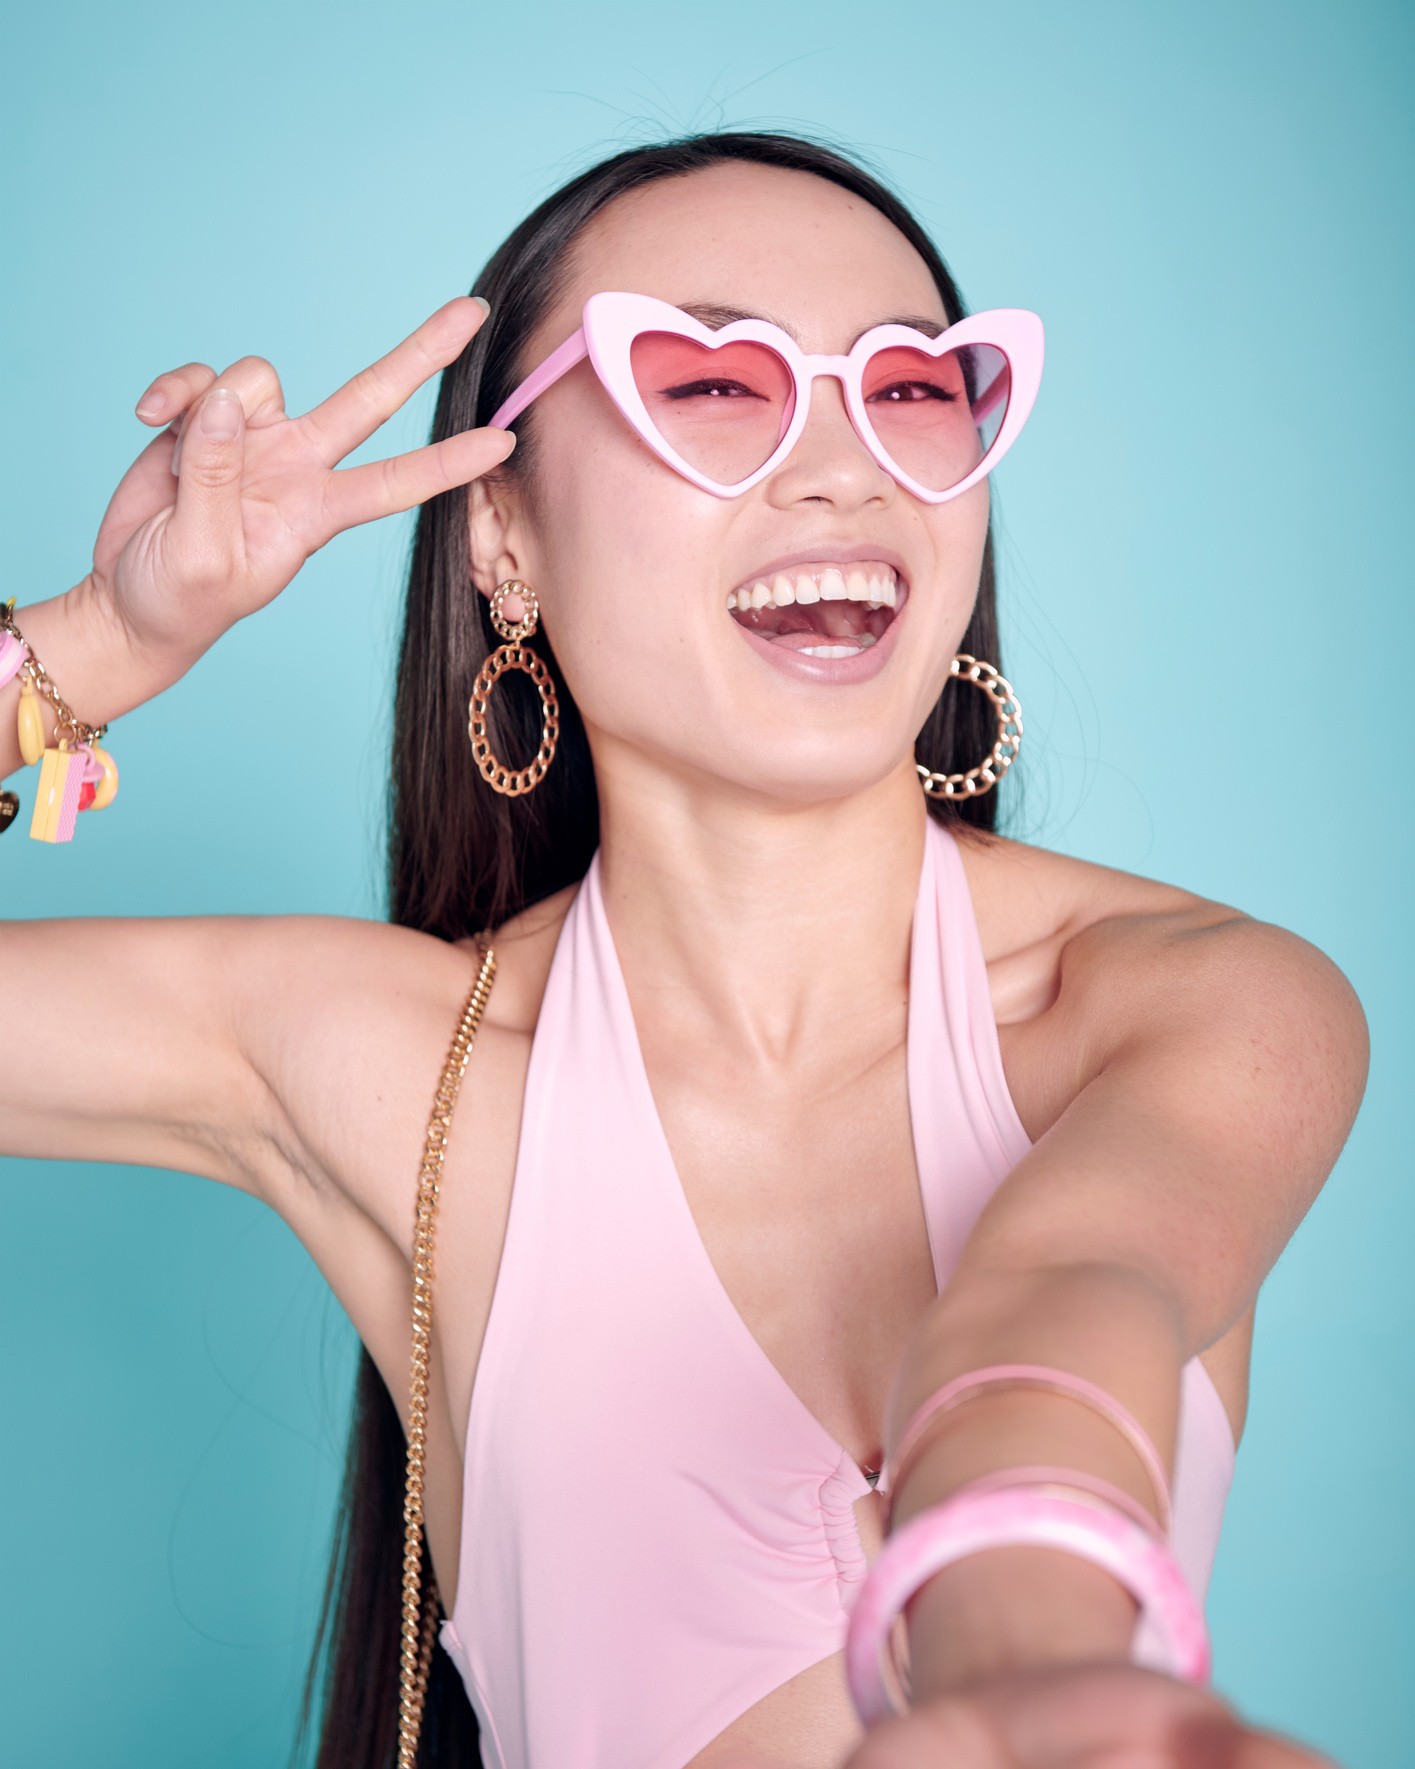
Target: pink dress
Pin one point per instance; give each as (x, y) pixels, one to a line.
(656, 1533)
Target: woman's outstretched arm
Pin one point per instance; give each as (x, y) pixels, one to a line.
(180, 559)
(233, 1047)
(1206, 1070)
(131, 1041)
(175, 1043)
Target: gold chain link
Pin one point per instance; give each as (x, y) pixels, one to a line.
(1003, 753)
(419, 1616)
(513, 783)
(37, 676)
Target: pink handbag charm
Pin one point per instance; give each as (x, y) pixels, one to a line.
(63, 774)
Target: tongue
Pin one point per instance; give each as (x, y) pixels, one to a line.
(802, 628)
(814, 641)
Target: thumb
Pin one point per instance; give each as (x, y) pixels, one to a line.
(208, 463)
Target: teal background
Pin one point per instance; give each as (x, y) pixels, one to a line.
(1207, 612)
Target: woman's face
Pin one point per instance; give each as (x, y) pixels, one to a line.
(636, 569)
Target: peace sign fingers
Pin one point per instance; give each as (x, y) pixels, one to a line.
(213, 525)
(351, 415)
(382, 488)
(171, 393)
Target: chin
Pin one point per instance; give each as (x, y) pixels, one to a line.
(843, 773)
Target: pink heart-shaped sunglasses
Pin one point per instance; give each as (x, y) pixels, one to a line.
(724, 408)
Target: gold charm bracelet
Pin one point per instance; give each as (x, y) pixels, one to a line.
(34, 672)
(75, 775)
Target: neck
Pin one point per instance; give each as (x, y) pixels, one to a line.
(759, 917)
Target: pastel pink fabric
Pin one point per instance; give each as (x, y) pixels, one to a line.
(656, 1533)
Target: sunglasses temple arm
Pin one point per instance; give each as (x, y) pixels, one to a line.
(558, 363)
(993, 395)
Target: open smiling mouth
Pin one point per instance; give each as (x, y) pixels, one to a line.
(820, 610)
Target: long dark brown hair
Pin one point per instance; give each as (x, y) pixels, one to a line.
(461, 858)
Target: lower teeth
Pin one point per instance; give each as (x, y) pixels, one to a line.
(866, 641)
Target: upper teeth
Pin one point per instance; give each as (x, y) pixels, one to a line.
(872, 584)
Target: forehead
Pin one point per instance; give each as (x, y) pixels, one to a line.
(787, 246)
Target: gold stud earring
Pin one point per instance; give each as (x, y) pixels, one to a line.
(1004, 751)
(513, 655)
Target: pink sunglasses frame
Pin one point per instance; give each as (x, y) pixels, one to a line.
(613, 319)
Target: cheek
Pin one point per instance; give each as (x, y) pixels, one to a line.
(966, 524)
(625, 552)
(960, 532)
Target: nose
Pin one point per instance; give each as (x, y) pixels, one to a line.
(829, 464)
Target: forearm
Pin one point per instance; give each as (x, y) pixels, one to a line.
(1011, 1608)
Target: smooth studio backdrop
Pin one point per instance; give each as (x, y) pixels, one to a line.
(1206, 602)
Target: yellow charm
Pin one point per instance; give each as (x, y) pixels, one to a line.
(107, 788)
(31, 723)
(57, 801)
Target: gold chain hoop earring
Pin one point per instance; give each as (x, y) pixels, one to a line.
(513, 655)
(1003, 754)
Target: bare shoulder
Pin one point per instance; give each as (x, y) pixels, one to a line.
(1086, 962)
(366, 986)
(1031, 904)
(524, 948)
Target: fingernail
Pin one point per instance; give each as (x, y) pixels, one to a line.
(484, 304)
(220, 416)
(152, 406)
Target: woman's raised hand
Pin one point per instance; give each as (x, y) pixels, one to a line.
(219, 512)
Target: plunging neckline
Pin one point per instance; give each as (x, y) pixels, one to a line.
(695, 1248)
(657, 1531)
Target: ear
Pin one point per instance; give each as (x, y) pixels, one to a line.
(494, 521)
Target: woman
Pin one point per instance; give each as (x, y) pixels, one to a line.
(801, 1101)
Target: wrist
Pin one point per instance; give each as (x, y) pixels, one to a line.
(1012, 1609)
(91, 662)
(99, 663)
(1011, 1428)
(1018, 1613)
(1017, 1565)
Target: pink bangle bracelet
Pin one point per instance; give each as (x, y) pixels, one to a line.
(1068, 1481)
(1016, 1517)
(965, 1387)
(14, 654)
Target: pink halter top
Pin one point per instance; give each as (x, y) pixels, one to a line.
(656, 1533)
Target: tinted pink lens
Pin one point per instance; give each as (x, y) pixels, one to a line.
(723, 411)
(937, 416)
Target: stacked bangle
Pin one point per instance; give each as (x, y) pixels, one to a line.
(964, 1388)
(1061, 1508)
(1061, 1514)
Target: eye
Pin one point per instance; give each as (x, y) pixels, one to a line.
(717, 388)
(907, 392)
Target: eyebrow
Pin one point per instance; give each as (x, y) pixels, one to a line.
(715, 316)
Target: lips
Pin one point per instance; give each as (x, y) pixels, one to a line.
(820, 609)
